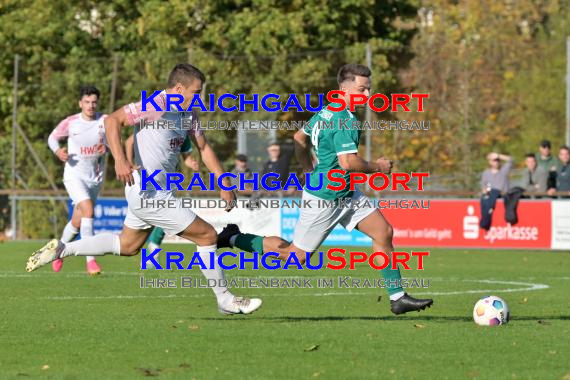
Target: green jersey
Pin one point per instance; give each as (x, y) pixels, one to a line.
(331, 133)
(186, 146)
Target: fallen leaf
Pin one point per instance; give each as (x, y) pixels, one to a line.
(149, 371)
(543, 322)
(45, 366)
(419, 326)
(473, 374)
(314, 347)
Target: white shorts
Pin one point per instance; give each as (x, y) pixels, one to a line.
(172, 220)
(316, 223)
(81, 190)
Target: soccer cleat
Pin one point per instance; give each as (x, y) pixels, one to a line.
(56, 265)
(240, 305)
(224, 236)
(44, 255)
(406, 303)
(93, 268)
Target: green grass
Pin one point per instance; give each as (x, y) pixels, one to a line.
(68, 325)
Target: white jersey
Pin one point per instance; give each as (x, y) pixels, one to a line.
(158, 148)
(84, 137)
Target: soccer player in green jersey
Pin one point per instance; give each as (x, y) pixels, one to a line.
(335, 148)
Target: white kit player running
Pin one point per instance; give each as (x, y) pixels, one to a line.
(84, 171)
(158, 149)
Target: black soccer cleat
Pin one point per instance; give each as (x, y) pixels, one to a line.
(224, 236)
(407, 303)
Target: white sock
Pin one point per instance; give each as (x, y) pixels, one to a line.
(233, 240)
(396, 296)
(69, 233)
(98, 245)
(151, 247)
(222, 293)
(86, 229)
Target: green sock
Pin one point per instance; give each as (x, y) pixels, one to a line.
(249, 243)
(156, 236)
(394, 276)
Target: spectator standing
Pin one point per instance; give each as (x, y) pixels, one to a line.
(563, 172)
(535, 177)
(240, 166)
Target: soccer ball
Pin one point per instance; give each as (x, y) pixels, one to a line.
(491, 311)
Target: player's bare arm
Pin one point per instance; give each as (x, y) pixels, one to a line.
(123, 168)
(213, 164)
(129, 149)
(303, 151)
(354, 163)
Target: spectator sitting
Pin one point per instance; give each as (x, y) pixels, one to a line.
(535, 177)
(496, 176)
(240, 166)
(563, 172)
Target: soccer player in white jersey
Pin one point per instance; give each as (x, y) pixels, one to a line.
(84, 171)
(157, 149)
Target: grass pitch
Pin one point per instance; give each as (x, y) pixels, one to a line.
(69, 325)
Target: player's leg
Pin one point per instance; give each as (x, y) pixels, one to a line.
(86, 229)
(314, 225)
(154, 241)
(77, 192)
(380, 231)
(186, 224)
(204, 235)
(70, 231)
(127, 243)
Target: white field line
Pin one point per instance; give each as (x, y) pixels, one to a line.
(525, 286)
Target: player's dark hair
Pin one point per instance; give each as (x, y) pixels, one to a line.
(530, 155)
(89, 90)
(351, 71)
(185, 74)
